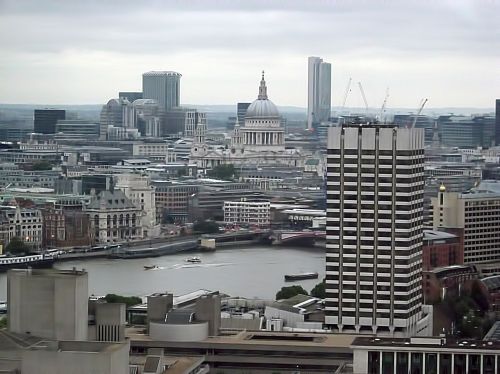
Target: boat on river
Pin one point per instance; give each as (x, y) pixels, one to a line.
(194, 260)
(150, 267)
(301, 276)
(36, 261)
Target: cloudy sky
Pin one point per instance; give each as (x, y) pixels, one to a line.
(84, 52)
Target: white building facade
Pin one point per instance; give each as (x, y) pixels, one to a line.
(375, 193)
(253, 213)
(319, 91)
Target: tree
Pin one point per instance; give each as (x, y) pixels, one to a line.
(319, 290)
(42, 165)
(227, 172)
(128, 300)
(290, 291)
(16, 246)
(206, 227)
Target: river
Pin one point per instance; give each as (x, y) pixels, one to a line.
(248, 271)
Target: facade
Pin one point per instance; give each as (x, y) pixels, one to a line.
(162, 86)
(114, 218)
(131, 96)
(319, 91)
(184, 121)
(147, 117)
(441, 249)
(497, 121)
(45, 120)
(476, 216)
(51, 304)
(77, 129)
(467, 132)
(241, 111)
(425, 355)
(375, 190)
(141, 193)
(247, 212)
(24, 223)
(64, 227)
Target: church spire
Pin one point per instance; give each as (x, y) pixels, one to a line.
(262, 88)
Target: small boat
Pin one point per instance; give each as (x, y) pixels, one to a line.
(301, 276)
(150, 267)
(194, 260)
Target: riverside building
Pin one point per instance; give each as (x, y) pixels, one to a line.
(375, 193)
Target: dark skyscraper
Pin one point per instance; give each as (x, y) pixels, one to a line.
(241, 112)
(45, 120)
(497, 122)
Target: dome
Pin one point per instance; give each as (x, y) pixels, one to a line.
(442, 188)
(262, 107)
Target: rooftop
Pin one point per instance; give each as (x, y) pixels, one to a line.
(429, 343)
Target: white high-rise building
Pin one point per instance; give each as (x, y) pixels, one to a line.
(319, 91)
(375, 229)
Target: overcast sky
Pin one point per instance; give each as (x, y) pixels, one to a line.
(84, 52)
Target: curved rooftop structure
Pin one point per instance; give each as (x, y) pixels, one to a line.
(262, 107)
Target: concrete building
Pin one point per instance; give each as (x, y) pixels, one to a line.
(319, 91)
(78, 357)
(44, 120)
(116, 113)
(424, 355)
(375, 191)
(475, 217)
(139, 190)
(162, 86)
(147, 117)
(51, 304)
(247, 212)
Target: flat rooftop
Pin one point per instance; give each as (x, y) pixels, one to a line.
(432, 343)
(48, 272)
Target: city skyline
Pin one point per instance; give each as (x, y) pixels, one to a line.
(441, 50)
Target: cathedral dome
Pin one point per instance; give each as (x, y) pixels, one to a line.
(262, 107)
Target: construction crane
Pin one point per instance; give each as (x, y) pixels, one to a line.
(382, 110)
(364, 97)
(347, 90)
(422, 104)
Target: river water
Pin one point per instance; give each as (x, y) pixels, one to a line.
(248, 271)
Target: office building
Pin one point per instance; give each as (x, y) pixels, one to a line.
(162, 86)
(466, 131)
(24, 223)
(116, 113)
(241, 112)
(497, 121)
(51, 304)
(183, 121)
(131, 96)
(77, 129)
(475, 217)
(247, 212)
(375, 191)
(425, 355)
(441, 249)
(45, 120)
(319, 92)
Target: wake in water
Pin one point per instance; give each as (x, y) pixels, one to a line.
(188, 266)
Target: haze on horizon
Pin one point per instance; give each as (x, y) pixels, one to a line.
(74, 52)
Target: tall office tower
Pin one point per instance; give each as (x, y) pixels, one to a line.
(497, 122)
(241, 112)
(45, 120)
(162, 86)
(375, 197)
(319, 91)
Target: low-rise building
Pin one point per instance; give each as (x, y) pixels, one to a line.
(441, 249)
(114, 218)
(24, 223)
(247, 212)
